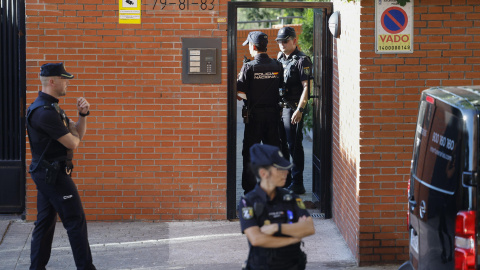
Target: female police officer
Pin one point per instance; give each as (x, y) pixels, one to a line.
(274, 219)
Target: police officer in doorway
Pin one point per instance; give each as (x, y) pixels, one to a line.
(273, 219)
(258, 84)
(53, 137)
(297, 67)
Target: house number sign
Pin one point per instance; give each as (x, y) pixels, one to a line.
(182, 5)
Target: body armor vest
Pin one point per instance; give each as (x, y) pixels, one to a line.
(274, 256)
(291, 74)
(264, 89)
(39, 141)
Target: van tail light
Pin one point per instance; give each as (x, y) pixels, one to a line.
(430, 100)
(465, 242)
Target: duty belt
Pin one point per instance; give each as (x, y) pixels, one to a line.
(68, 165)
(288, 104)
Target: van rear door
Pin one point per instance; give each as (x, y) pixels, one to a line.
(435, 181)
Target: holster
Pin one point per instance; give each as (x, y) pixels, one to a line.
(245, 114)
(51, 171)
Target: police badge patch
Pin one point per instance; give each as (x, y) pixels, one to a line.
(300, 203)
(247, 213)
(306, 70)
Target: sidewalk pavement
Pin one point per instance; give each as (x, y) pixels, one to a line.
(198, 245)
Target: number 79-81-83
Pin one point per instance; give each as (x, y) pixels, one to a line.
(184, 4)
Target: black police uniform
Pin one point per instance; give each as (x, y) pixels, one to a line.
(260, 79)
(46, 123)
(256, 209)
(297, 67)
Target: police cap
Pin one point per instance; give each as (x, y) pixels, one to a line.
(286, 33)
(268, 155)
(55, 69)
(257, 38)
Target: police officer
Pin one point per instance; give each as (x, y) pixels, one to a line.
(53, 137)
(273, 219)
(297, 68)
(258, 84)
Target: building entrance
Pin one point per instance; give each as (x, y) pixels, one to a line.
(317, 136)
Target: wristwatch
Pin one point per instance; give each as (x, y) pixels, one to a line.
(84, 114)
(300, 109)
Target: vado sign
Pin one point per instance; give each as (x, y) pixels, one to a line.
(393, 27)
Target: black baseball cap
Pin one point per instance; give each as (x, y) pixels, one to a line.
(55, 69)
(257, 38)
(268, 155)
(286, 33)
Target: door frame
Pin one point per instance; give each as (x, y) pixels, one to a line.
(322, 132)
(232, 100)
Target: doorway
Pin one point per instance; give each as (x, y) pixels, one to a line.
(319, 154)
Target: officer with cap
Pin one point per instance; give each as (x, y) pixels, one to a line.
(273, 219)
(297, 68)
(258, 84)
(53, 137)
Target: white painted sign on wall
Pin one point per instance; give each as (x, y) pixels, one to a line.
(393, 27)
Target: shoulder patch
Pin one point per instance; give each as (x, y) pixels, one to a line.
(306, 70)
(247, 213)
(300, 203)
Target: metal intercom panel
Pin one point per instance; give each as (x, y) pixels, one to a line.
(201, 62)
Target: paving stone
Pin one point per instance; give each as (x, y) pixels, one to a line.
(200, 245)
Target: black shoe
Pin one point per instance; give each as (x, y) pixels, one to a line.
(297, 188)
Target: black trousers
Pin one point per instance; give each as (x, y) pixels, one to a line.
(286, 258)
(61, 198)
(262, 128)
(294, 139)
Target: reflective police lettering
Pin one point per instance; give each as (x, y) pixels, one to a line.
(276, 214)
(265, 75)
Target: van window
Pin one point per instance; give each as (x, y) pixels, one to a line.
(437, 146)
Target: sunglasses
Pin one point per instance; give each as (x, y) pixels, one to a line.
(283, 41)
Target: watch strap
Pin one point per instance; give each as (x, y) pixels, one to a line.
(84, 114)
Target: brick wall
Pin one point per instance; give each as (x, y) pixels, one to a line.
(155, 148)
(446, 52)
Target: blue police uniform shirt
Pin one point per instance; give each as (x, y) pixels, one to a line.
(260, 79)
(286, 207)
(298, 72)
(48, 124)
